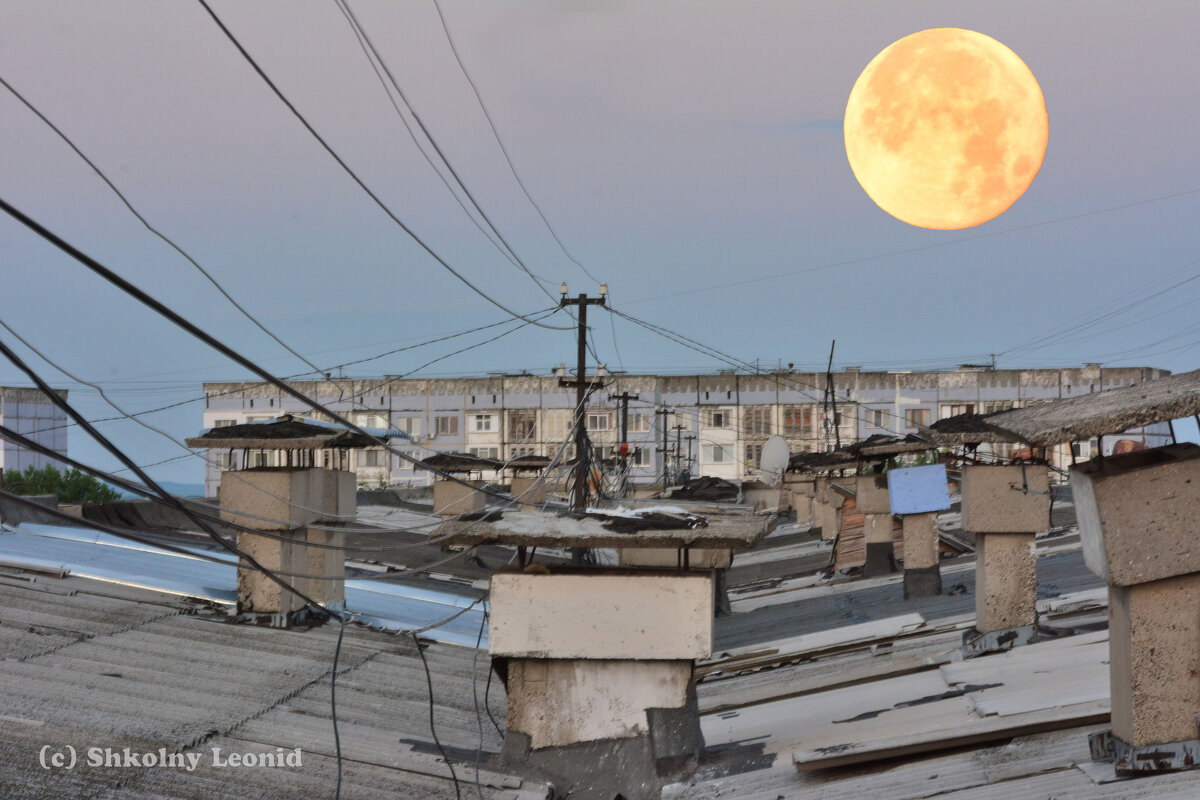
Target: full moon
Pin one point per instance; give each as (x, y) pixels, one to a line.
(946, 128)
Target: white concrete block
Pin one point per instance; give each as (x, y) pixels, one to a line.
(559, 703)
(1006, 499)
(648, 617)
(1139, 514)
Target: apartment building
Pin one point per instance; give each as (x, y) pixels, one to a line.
(713, 424)
(30, 413)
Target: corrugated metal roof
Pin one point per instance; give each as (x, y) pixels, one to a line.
(91, 671)
(101, 556)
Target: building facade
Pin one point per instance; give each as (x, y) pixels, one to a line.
(30, 413)
(713, 424)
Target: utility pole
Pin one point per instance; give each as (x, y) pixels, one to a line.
(678, 450)
(623, 435)
(623, 420)
(662, 426)
(831, 400)
(581, 385)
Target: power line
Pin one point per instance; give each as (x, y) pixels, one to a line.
(203, 336)
(911, 250)
(150, 227)
(1091, 320)
(346, 167)
(503, 148)
(704, 349)
(376, 61)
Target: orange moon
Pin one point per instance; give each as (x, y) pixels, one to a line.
(946, 128)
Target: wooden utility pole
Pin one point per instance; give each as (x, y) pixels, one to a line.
(623, 419)
(623, 436)
(581, 384)
(662, 426)
(831, 400)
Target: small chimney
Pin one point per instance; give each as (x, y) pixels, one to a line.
(1138, 521)
(917, 495)
(1004, 507)
(875, 506)
(276, 507)
(299, 497)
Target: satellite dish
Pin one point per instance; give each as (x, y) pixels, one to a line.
(774, 459)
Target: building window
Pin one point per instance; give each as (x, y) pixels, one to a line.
(954, 409)
(222, 461)
(715, 454)
(370, 457)
(483, 423)
(756, 421)
(484, 452)
(224, 423)
(837, 418)
(916, 417)
(261, 458)
(640, 457)
(753, 455)
(875, 418)
(410, 425)
(370, 420)
(720, 418)
(599, 421)
(640, 423)
(521, 425)
(446, 426)
(797, 421)
(525, 450)
(404, 463)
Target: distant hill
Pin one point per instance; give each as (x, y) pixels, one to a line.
(174, 487)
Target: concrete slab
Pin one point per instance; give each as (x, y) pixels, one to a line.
(1006, 498)
(641, 616)
(1139, 514)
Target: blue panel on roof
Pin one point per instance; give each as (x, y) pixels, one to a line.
(918, 490)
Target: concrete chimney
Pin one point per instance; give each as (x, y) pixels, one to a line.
(455, 498)
(825, 514)
(594, 681)
(529, 491)
(875, 506)
(917, 494)
(1004, 507)
(1139, 520)
(297, 497)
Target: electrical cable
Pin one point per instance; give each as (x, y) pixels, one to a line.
(346, 167)
(167, 240)
(692, 344)
(432, 727)
(303, 374)
(487, 692)
(475, 696)
(203, 336)
(911, 250)
(337, 738)
(503, 148)
(104, 442)
(136, 488)
(370, 50)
